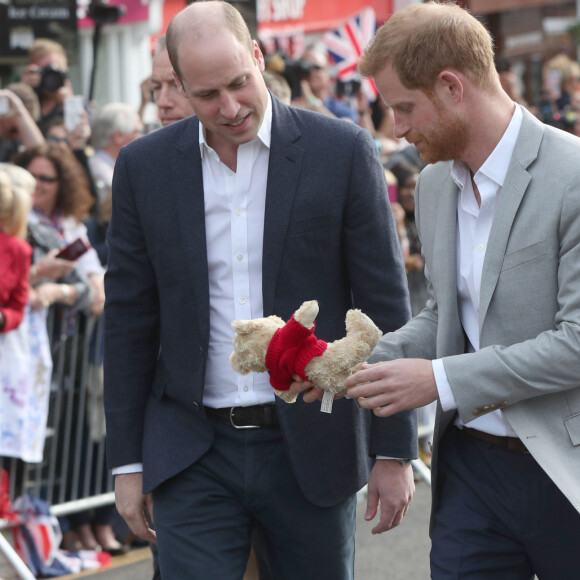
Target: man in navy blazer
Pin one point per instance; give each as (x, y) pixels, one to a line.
(247, 209)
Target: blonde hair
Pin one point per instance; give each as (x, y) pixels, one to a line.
(16, 187)
(424, 39)
(42, 47)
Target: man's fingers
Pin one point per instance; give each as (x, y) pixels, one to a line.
(314, 394)
(372, 505)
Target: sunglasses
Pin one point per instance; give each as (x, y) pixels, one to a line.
(56, 139)
(45, 178)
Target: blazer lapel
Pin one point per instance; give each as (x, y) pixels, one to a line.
(187, 189)
(509, 200)
(284, 169)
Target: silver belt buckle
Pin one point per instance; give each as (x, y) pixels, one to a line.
(240, 426)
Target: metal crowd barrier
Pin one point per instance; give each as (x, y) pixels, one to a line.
(72, 476)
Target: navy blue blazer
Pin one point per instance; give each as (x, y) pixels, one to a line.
(329, 235)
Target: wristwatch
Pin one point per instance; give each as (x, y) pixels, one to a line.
(403, 462)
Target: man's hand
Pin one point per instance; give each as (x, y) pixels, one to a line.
(133, 506)
(311, 393)
(393, 486)
(393, 386)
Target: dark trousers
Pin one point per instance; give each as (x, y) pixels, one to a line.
(244, 488)
(499, 516)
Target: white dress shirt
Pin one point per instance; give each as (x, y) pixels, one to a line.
(234, 222)
(473, 229)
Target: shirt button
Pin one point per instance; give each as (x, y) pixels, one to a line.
(245, 389)
(238, 212)
(240, 257)
(480, 247)
(242, 300)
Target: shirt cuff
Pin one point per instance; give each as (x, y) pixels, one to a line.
(446, 397)
(130, 468)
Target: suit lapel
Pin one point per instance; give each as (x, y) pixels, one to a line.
(284, 168)
(509, 200)
(187, 189)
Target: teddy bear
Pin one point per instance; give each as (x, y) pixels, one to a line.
(291, 348)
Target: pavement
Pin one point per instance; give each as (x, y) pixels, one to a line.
(399, 554)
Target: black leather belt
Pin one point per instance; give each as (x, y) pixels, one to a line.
(510, 443)
(253, 417)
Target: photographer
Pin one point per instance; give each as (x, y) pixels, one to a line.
(47, 74)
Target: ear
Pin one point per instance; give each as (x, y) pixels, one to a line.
(449, 86)
(258, 57)
(244, 326)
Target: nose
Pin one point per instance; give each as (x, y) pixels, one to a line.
(400, 128)
(164, 98)
(229, 106)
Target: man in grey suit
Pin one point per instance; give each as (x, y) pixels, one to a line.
(246, 209)
(498, 343)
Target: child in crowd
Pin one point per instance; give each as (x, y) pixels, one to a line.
(15, 253)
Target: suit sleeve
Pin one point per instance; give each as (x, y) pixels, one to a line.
(378, 281)
(131, 323)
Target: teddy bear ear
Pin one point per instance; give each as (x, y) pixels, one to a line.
(243, 326)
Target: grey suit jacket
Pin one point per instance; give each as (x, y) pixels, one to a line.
(328, 235)
(528, 364)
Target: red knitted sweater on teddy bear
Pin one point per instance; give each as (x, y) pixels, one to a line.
(290, 350)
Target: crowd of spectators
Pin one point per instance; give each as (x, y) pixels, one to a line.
(65, 174)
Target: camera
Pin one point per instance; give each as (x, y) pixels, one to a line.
(52, 78)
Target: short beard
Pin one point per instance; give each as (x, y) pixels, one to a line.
(450, 138)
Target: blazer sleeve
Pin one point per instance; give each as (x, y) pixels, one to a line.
(131, 324)
(378, 289)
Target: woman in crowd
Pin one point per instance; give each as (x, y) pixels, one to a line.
(62, 200)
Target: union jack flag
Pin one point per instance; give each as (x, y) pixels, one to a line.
(346, 43)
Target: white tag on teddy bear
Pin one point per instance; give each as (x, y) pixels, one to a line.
(327, 400)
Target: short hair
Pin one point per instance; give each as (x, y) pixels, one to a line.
(423, 39)
(113, 117)
(42, 47)
(74, 196)
(16, 187)
(227, 18)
